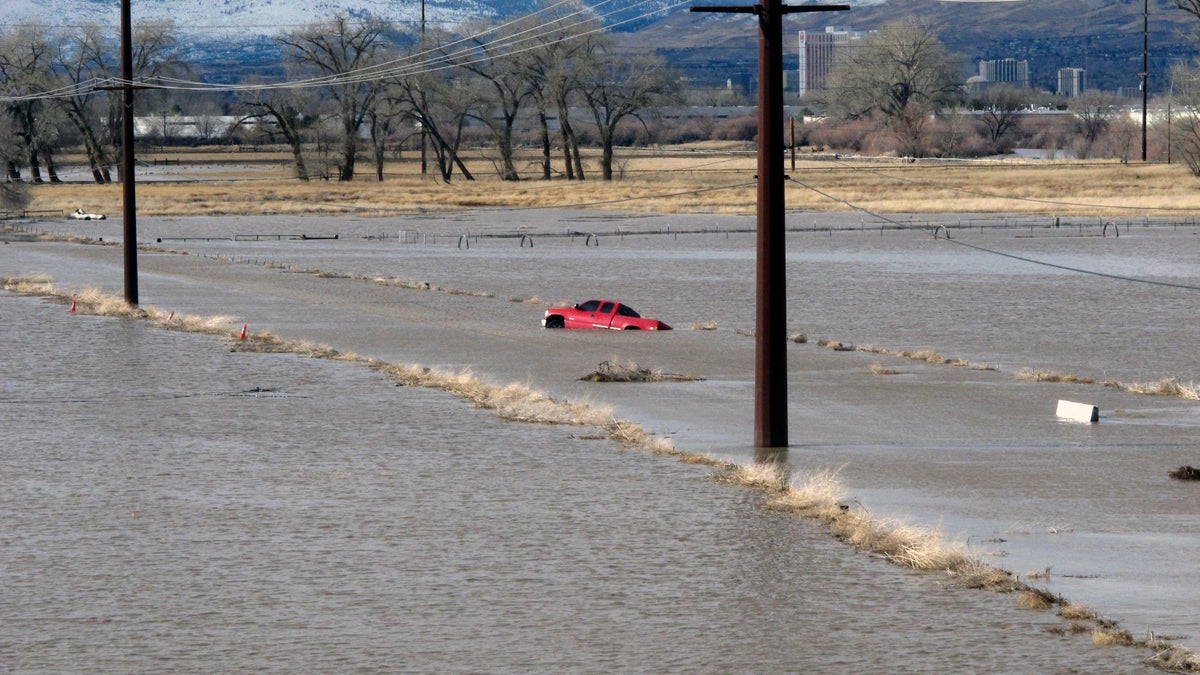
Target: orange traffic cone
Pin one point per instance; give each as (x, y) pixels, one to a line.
(242, 335)
(170, 316)
(72, 305)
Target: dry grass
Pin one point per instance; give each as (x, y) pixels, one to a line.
(707, 325)
(879, 369)
(1076, 612)
(662, 180)
(1167, 387)
(1034, 599)
(820, 496)
(1112, 637)
(1175, 659)
(1164, 387)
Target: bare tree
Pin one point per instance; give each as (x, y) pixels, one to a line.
(25, 63)
(287, 110)
(568, 36)
(1000, 119)
(903, 72)
(343, 50)
(440, 107)
(84, 57)
(617, 88)
(498, 57)
(14, 195)
(1094, 112)
(1185, 115)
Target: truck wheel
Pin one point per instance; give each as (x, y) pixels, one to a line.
(554, 322)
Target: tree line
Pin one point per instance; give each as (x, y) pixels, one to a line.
(353, 86)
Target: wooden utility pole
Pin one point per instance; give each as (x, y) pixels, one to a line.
(129, 197)
(770, 351)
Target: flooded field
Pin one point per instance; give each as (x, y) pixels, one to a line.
(299, 513)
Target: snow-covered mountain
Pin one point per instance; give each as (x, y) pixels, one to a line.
(209, 20)
(214, 19)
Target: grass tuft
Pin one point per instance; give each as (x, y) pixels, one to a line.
(1076, 612)
(1167, 387)
(1174, 659)
(1031, 598)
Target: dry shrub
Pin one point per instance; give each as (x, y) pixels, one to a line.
(798, 338)
(930, 356)
(1051, 376)
(912, 546)
(769, 476)
(1167, 387)
(705, 460)
(879, 369)
(1111, 637)
(817, 496)
(1075, 612)
(708, 325)
(985, 577)
(1175, 659)
(1034, 599)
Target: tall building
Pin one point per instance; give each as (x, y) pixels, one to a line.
(1008, 71)
(817, 54)
(1071, 81)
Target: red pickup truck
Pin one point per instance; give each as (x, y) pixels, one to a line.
(600, 314)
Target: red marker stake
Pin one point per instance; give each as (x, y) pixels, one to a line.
(242, 335)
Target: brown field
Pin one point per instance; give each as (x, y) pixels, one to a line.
(699, 178)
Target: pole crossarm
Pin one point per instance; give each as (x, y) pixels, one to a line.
(758, 9)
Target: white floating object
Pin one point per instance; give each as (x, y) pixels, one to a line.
(1079, 412)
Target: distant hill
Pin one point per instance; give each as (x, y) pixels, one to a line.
(1102, 36)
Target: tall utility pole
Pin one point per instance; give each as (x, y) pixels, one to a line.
(770, 347)
(1145, 69)
(129, 196)
(424, 111)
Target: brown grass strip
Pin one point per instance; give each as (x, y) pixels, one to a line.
(820, 496)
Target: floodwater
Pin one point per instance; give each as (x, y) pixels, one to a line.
(170, 504)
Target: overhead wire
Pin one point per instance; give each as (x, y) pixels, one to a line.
(409, 65)
(984, 249)
(439, 58)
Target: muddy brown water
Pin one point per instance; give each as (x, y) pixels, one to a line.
(185, 505)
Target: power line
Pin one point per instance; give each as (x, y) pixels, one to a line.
(1003, 254)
